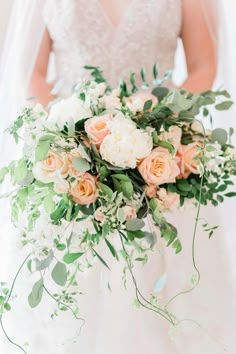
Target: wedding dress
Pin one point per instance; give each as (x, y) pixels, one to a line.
(84, 34)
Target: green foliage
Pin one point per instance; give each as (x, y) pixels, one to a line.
(36, 294)
(59, 274)
(135, 224)
(43, 147)
(80, 164)
(220, 135)
(3, 172)
(72, 257)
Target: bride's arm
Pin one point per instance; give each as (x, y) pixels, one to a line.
(38, 86)
(199, 48)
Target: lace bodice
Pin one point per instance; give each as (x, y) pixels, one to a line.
(83, 34)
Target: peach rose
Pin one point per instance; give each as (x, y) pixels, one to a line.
(150, 190)
(167, 200)
(159, 167)
(69, 158)
(61, 185)
(130, 212)
(97, 128)
(99, 215)
(47, 171)
(186, 153)
(84, 191)
(173, 136)
(136, 102)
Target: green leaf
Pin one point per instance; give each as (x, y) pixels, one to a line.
(43, 147)
(43, 264)
(49, 204)
(101, 259)
(72, 257)
(183, 185)
(36, 294)
(160, 92)
(7, 307)
(177, 246)
(167, 145)
(134, 224)
(220, 135)
(61, 246)
(127, 189)
(143, 74)
(224, 106)
(155, 71)
(83, 152)
(3, 172)
(59, 274)
(230, 194)
(121, 177)
(112, 249)
(80, 164)
(20, 172)
(135, 234)
(107, 190)
(121, 215)
(147, 105)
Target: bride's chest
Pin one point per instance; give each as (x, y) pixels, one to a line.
(83, 21)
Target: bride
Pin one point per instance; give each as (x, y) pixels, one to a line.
(119, 36)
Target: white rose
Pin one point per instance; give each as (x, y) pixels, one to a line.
(110, 102)
(126, 144)
(67, 109)
(96, 90)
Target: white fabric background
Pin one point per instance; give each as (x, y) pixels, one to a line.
(5, 7)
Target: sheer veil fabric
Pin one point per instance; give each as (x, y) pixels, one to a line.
(22, 43)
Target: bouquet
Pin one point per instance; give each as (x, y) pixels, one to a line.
(97, 164)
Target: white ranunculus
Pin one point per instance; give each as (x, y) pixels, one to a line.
(126, 144)
(67, 109)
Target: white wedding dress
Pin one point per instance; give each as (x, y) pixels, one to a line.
(84, 34)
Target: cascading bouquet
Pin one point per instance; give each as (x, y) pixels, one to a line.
(98, 163)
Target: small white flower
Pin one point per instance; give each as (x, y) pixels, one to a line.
(96, 90)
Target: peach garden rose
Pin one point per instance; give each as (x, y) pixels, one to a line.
(186, 154)
(84, 190)
(47, 171)
(97, 128)
(159, 167)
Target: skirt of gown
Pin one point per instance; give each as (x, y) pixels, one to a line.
(113, 324)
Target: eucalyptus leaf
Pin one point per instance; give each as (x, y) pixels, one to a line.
(135, 224)
(83, 152)
(80, 164)
(3, 172)
(45, 263)
(147, 105)
(220, 135)
(224, 106)
(59, 274)
(36, 294)
(127, 189)
(121, 216)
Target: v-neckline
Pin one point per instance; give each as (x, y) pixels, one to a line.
(122, 19)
